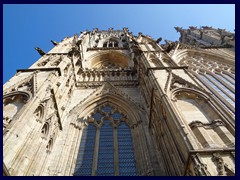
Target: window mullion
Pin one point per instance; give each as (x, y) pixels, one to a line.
(220, 86)
(96, 149)
(225, 82)
(116, 162)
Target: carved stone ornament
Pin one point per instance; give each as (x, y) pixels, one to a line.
(220, 163)
(199, 167)
(178, 82)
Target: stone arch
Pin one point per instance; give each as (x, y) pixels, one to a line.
(13, 103)
(119, 58)
(125, 107)
(27, 95)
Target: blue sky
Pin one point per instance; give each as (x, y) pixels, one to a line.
(29, 26)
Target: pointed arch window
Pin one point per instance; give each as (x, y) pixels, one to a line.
(106, 147)
(219, 78)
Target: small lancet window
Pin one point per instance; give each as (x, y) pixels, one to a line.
(45, 129)
(49, 145)
(105, 44)
(110, 43)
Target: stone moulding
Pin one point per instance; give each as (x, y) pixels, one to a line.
(213, 124)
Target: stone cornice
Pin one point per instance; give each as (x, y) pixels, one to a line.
(40, 69)
(107, 48)
(124, 83)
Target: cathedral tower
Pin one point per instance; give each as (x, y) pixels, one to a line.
(109, 103)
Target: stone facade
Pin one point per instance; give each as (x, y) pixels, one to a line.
(112, 103)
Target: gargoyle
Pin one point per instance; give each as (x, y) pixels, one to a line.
(54, 42)
(40, 51)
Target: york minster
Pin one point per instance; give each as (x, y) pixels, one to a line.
(111, 103)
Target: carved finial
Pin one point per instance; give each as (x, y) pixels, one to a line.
(54, 42)
(207, 27)
(95, 30)
(125, 29)
(193, 27)
(178, 29)
(40, 51)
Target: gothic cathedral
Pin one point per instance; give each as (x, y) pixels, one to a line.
(110, 103)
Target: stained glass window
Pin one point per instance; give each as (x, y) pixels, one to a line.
(127, 165)
(86, 151)
(106, 109)
(106, 151)
(112, 153)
